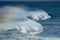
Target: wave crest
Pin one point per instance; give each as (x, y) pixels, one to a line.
(11, 15)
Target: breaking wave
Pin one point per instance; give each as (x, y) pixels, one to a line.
(16, 21)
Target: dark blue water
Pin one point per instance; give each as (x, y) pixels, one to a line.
(51, 26)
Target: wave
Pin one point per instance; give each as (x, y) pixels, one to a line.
(10, 16)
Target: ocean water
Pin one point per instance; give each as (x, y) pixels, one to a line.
(51, 26)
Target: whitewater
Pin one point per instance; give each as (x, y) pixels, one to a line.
(16, 23)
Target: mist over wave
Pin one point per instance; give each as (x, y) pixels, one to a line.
(22, 21)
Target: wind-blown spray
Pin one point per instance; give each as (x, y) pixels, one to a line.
(17, 17)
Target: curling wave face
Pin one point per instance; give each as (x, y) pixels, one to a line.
(17, 17)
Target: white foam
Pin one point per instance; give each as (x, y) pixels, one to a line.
(24, 25)
(30, 27)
